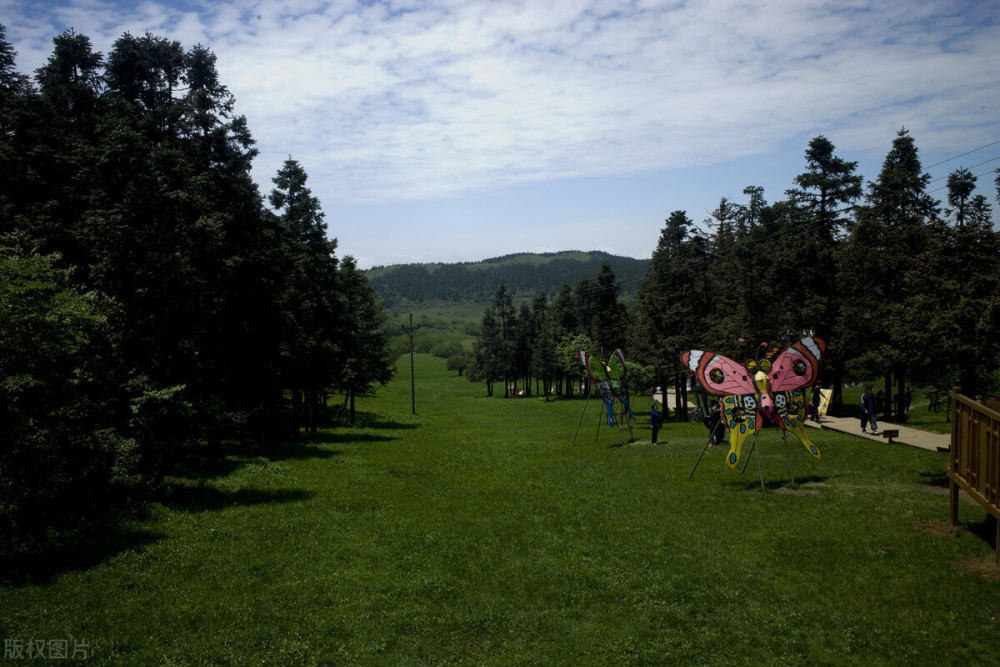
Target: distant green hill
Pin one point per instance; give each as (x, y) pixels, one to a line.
(524, 274)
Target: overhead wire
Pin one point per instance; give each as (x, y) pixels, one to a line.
(992, 143)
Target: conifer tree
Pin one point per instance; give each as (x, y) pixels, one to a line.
(878, 262)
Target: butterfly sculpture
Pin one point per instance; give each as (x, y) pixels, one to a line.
(772, 389)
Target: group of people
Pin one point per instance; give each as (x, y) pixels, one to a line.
(713, 420)
(717, 430)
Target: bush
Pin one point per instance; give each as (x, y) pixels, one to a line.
(60, 404)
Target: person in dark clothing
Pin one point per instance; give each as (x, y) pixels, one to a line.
(716, 428)
(654, 421)
(868, 411)
(815, 404)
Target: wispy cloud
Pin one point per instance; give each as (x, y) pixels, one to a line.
(421, 100)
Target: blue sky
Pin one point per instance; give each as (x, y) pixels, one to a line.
(447, 130)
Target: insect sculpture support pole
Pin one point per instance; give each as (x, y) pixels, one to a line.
(788, 455)
(597, 437)
(703, 450)
(582, 414)
(760, 469)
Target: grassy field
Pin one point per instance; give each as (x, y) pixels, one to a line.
(476, 532)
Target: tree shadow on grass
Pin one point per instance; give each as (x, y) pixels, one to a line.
(365, 419)
(204, 497)
(118, 533)
(805, 485)
(937, 478)
(81, 551)
(221, 460)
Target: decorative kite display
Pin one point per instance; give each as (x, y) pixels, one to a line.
(772, 388)
(617, 372)
(610, 381)
(599, 374)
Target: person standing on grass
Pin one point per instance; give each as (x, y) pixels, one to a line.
(716, 429)
(815, 404)
(654, 421)
(868, 411)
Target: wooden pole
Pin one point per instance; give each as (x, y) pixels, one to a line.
(409, 331)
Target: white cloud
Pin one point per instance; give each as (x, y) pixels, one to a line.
(417, 100)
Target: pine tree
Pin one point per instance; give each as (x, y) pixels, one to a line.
(366, 356)
(312, 303)
(878, 262)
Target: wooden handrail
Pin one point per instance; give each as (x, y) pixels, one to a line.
(974, 466)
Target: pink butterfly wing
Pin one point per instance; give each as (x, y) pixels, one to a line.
(719, 375)
(796, 366)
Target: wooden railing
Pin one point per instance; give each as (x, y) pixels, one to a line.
(975, 457)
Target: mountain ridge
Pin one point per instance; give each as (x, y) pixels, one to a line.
(525, 274)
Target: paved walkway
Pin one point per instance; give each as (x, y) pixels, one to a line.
(851, 425)
(907, 436)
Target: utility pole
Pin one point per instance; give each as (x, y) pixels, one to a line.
(409, 331)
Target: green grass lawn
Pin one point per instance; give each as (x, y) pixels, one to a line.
(476, 532)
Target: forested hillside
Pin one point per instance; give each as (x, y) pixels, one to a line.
(524, 275)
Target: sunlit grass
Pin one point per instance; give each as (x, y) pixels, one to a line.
(476, 532)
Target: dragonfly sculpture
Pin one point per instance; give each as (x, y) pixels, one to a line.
(617, 371)
(599, 374)
(610, 381)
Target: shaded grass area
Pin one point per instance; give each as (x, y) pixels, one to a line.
(475, 532)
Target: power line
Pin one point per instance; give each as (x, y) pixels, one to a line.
(964, 154)
(992, 159)
(988, 171)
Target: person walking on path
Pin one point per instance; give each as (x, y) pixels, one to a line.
(868, 411)
(815, 404)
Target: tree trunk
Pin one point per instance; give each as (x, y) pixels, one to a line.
(887, 408)
(352, 406)
(683, 400)
(901, 396)
(296, 412)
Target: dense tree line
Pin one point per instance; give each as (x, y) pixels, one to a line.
(900, 287)
(522, 275)
(537, 342)
(150, 302)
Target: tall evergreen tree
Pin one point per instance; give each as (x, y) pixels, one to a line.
(961, 185)
(610, 316)
(879, 257)
(312, 301)
(15, 93)
(673, 301)
(828, 189)
(827, 193)
(367, 359)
